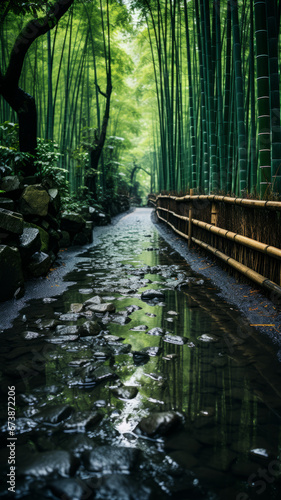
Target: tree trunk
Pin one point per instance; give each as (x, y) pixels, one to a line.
(21, 102)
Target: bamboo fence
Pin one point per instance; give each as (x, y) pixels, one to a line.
(244, 234)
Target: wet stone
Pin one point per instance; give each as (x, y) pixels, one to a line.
(140, 357)
(132, 308)
(112, 338)
(140, 328)
(62, 339)
(174, 339)
(96, 300)
(151, 351)
(160, 423)
(109, 459)
(48, 463)
(77, 443)
(171, 357)
(121, 349)
(104, 373)
(156, 331)
(49, 300)
(53, 414)
(89, 328)
(69, 489)
(30, 242)
(102, 308)
(69, 317)
(152, 294)
(83, 420)
(205, 338)
(48, 324)
(67, 330)
(125, 392)
(120, 319)
(39, 264)
(30, 335)
(76, 308)
(78, 362)
(120, 487)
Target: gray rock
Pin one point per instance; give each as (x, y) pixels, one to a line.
(72, 223)
(89, 328)
(39, 264)
(76, 307)
(93, 301)
(69, 489)
(7, 203)
(30, 242)
(120, 319)
(121, 487)
(12, 222)
(110, 459)
(125, 392)
(104, 373)
(69, 317)
(83, 420)
(156, 331)
(30, 335)
(160, 422)
(132, 308)
(67, 330)
(152, 294)
(77, 444)
(53, 414)
(10, 183)
(102, 308)
(174, 339)
(10, 272)
(205, 338)
(140, 328)
(65, 240)
(140, 357)
(81, 238)
(48, 463)
(55, 200)
(35, 201)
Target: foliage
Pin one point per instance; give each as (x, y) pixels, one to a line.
(12, 161)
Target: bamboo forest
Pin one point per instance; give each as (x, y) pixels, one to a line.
(178, 95)
(140, 250)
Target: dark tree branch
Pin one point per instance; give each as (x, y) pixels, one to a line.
(100, 91)
(32, 30)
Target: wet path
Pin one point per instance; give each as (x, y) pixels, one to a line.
(87, 374)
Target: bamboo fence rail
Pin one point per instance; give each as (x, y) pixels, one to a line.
(258, 261)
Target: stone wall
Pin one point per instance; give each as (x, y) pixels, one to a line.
(32, 230)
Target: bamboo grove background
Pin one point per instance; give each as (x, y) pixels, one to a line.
(216, 67)
(195, 98)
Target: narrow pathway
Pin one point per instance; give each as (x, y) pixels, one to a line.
(139, 382)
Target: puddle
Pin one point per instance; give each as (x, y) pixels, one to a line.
(186, 351)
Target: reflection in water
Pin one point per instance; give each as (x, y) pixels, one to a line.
(209, 365)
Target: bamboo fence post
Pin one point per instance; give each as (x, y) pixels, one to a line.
(190, 214)
(214, 214)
